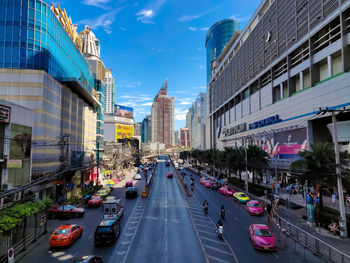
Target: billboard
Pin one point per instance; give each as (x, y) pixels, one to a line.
(123, 111)
(283, 145)
(123, 131)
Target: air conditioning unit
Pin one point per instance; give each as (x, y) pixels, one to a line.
(4, 187)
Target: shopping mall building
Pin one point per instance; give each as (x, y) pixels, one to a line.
(42, 68)
(269, 83)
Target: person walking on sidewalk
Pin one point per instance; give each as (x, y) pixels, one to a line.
(333, 198)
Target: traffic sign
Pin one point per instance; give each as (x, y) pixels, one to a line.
(11, 255)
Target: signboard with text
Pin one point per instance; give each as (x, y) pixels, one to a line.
(123, 131)
(5, 113)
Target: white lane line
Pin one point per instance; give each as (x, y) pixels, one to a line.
(166, 221)
(197, 219)
(128, 235)
(125, 242)
(218, 250)
(131, 228)
(236, 218)
(206, 232)
(121, 252)
(275, 255)
(245, 227)
(197, 224)
(215, 241)
(218, 259)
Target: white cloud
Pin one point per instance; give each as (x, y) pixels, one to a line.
(192, 28)
(180, 114)
(185, 18)
(184, 101)
(140, 98)
(201, 67)
(145, 15)
(198, 29)
(147, 104)
(98, 3)
(104, 21)
(129, 84)
(200, 87)
(123, 28)
(199, 49)
(240, 18)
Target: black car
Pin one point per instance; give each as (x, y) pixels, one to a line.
(131, 192)
(88, 259)
(107, 231)
(167, 164)
(215, 186)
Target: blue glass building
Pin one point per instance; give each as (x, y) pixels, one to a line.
(218, 36)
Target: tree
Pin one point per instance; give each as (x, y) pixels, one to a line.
(318, 165)
(257, 159)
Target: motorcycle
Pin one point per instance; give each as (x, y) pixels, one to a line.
(205, 209)
(222, 213)
(220, 232)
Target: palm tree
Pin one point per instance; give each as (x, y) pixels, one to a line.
(318, 165)
(257, 159)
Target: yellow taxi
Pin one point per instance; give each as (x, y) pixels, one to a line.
(103, 193)
(110, 182)
(241, 197)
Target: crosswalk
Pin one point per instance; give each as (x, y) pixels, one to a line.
(215, 250)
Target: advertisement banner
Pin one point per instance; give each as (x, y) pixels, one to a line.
(282, 145)
(123, 111)
(123, 131)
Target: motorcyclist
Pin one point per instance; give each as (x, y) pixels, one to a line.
(219, 223)
(222, 208)
(205, 203)
(192, 186)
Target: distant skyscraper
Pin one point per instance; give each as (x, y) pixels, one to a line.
(110, 92)
(137, 128)
(177, 139)
(146, 129)
(218, 36)
(185, 137)
(163, 117)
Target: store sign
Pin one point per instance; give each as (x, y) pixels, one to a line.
(5, 113)
(14, 163)
(235, 129)
(265, 122)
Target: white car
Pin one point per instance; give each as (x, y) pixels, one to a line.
(137, 177)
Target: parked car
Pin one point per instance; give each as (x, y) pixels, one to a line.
(107, 231)
(241, 197)
(88, 259)
(95, 201)
(103, 193)
(65, 235)
(169, 175)
(262, 237)
(226, 190)
(137, 177)
(129, 183)
(65, 211)
(131, 192)
(207, 184)
(202, 180)
(255, 208)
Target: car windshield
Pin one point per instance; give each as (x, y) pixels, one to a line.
(61, 232)
(103, 229)
(255, 205)
(68, 207)
(241, 195)
(263, 232)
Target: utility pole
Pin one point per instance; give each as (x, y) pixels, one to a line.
(342, 222)
(98, 160)
(246, 165)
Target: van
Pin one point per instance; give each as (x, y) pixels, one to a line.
(107, 231)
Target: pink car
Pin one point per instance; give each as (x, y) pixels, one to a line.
(225, 190)
(207, 184)
(202, 180)
(254, 208)
(262, 237)
(129, 183)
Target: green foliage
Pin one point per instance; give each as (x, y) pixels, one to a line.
(89, 191)
(75, 199)
(10, 217)
(254, 189)
(325, 215)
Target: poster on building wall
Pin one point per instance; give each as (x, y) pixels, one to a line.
(123, 111)
(20, 142)
(282, 145)
(123, 131)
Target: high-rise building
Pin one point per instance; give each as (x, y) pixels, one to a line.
(42, 69)
(217, 37)
(177, 138)
(110, 92)
(163, 117)
(204, 121)
(137, 128)
(146, 129)
(185, 137)
(91, 52)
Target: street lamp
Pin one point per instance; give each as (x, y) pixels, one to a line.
(337, 164)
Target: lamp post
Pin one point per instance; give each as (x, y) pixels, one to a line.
(337, 167)
(246, 165)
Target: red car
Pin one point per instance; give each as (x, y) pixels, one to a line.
(95, 201)
(66, 211)
(254, 208)
(202, 180)
(207, 184)
(262, 237)
(225, 190)
(169, 175)
(129, 183)
(65, 235)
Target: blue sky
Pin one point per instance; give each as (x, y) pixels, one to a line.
(145, 42)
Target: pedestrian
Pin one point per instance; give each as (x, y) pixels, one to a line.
(333, 198)
(287, 189)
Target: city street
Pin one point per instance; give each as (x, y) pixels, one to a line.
(41, 253)
(236, 224)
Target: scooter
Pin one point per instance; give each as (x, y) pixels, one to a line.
(222, 213)
(220, 232)
(205, 209)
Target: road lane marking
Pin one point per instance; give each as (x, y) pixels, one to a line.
(201, 225)
(121, 252)
(215, 241)
(128, 235)
(218, 250)
(275, 255)
(197, 219)
(218, 259)
(125, 242)
(206, 232)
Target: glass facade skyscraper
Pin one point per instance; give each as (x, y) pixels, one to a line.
(218, 36)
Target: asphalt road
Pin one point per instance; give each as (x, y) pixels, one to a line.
(236, 224)
(164, 231)
(41, 253)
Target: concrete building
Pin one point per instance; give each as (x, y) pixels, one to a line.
(269, 83)
(110, 92)
(137, 129)
(185, 137)
(217, 37)
(51, 78)
(146, 129)
(204, 130)
(163, 117)
(177, 138)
